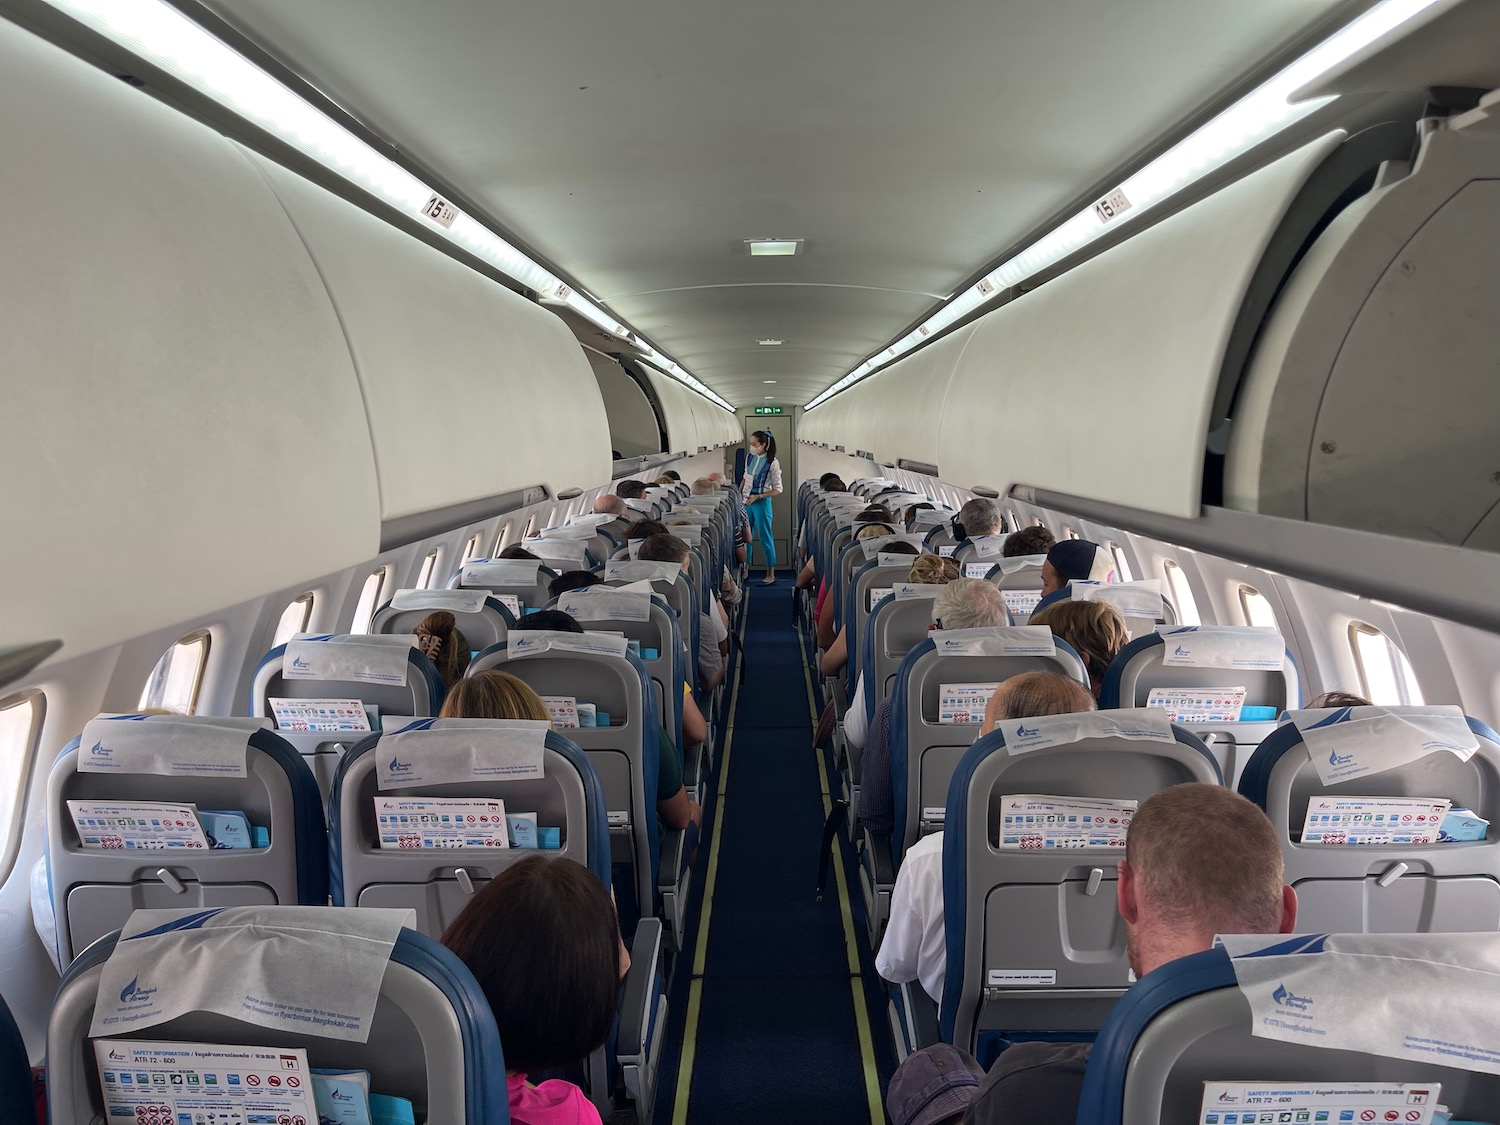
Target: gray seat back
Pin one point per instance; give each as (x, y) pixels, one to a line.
(896, 627)
(522, 579)
(488, 625)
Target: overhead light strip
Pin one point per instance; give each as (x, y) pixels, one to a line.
(1257, 116)
(163, 36)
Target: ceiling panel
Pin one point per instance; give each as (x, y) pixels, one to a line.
(635, 146)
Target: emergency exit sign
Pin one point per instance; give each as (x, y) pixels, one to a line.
(768, 410)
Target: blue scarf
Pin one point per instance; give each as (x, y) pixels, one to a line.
(759, 473)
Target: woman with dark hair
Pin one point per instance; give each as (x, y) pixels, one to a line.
(543, 942)
(762, 483)
(439, 639)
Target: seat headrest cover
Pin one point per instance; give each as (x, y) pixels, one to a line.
(569, 531)
(1132, 599)
(996, 640)
(1323, 990)
(454, 601)
(1349, 742)
(572, 552)
(1222, 646)
(446, 751)
(608, 603)
(988, 546)
(1082, 561)
(874, 545)
(917, 591)
(500, 572)
(1138, 724)
(537, 641)
(313, 970)
(590, 519)
(638, 570)
(367, 658)
(169, 745)
(1020, 562)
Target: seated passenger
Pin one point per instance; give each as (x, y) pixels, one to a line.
(673, 806)
(965, 603)
(440, 640)
(630, 490)
(837, 654)
(1096, 631)
(518, 552)
(928, 570)
(914, 946)
(980, 518)
(713, 627)
(1076, 560)
(1031, 540)
(832, 482)
(872, 528)
(644, 529)
(543, 942)
(1337, 699)
(1178, 887)
(667, 480)
(493, 694)
(572, 580)
(608, 504)
(672, 475)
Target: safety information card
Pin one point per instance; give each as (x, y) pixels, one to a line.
(144, 826)
(563, 711)
(1199, 705)
(1320, 1103)
(1034, 822)
(964, 703)
(411, 823)
(1021, 603)
(1373, 820)
(204, 1084)
(320, 714)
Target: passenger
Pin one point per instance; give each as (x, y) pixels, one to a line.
(673, 806)
(832, 482)
(630, 490)
(1096, 631)
(1178, 887)
(741, 520)
(761, 485)
(713, 627)
(1031, 540)
(515, 552)
(914, 946)
(837, 654)
(1337, 699)
(928, 570)
(644, 529)
(965, 603)
(609, 504)
(572, 580)
(1075, 560)
(915, 510)
(979, 518)
(704, 487)
(823, 609)
(440, 640)
(543, 942)
(666, 480)
(493, 694)
(672, 475)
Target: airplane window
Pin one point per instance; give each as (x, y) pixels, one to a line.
(530, 527)
(20, 730)
(1256, 609)
(429, 568)
(178, 675)
(471, 550)
(1385, 674)
(1122, 564)
(294, 619)
(1037, 521)
(502, 540)
(1070, 533)
(369, 601)
(1182, 594)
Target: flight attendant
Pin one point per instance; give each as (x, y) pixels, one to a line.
(761, 483)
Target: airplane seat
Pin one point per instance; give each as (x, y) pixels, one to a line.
(898, 623)
(94, 889)
(483, 619)
(1141, 668)
(1189, 1022)
(562, 555)
(1384, 887)
(941, 540)
(1140, 603)
(1020, 580)
(1073, 936)
(924, 751)
(432, 1037)
(17, 1091)
(525, 580)
(365, 667)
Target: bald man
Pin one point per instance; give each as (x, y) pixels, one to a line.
(914, 946)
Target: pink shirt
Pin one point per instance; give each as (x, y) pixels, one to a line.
(552, 1103)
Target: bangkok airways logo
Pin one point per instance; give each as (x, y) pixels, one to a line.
(135, 992)
(99, 750)
(1336, 759)
(116, 1055)
(300, 664)
(1180, 651)
(398, 766)
(341, 1096)
(1023, 731)
(1284, 997)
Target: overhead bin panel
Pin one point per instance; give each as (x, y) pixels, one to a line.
(633, 429)
(184, 427)
(472, 390)
(901, 417)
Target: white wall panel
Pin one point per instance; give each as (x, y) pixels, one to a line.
(471, 390)
(184, 428)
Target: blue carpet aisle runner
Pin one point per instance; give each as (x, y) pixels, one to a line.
(763, 1012)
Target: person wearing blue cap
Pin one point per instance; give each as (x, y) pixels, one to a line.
(1076, 560)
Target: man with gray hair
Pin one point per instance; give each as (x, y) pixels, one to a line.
(980, 518)
(964, 603)
(608, 504)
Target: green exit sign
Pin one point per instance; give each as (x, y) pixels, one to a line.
(768, 410)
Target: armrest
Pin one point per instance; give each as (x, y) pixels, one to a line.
(921, 1015)
(676, 848)
(878, 851)
(834, 688)
(642, 983)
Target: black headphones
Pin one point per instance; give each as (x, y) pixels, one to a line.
(959, 534)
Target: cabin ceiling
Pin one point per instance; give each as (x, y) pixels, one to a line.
(635, 145)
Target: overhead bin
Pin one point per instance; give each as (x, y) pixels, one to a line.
(634, 430)
(178, 385)
(692, 421)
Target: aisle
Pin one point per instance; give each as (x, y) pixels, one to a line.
(770, 1030)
